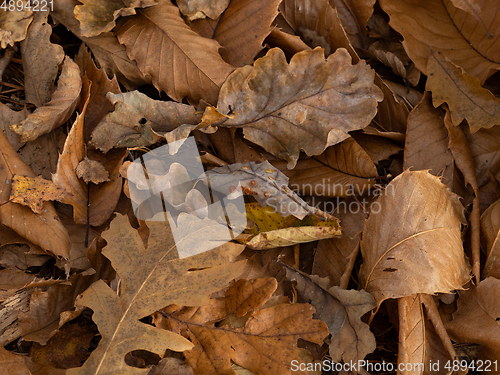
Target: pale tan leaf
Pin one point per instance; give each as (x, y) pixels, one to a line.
(461, 38)
(12, 364)
(40, 60)
(244, 23)
(477, 317)
(202, 8)
(341, 310)
(411, 348)
(44, 230)
(427, 141)
(139, 120)
(14, 24)
(413, 243)
(151, 278)
(180, 62)
(329, 99)
(464, 94)
(490, 229)
(341, 170)
(62, 104)
(97, 16)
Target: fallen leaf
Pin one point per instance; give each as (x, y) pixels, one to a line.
(9, 117)
(464, 94)
(33, 192)
(14, 25)
(490, 230)
(62, 104)
(91, 171)
(476, 319)
(98, 16)
(329, 99)
(139, 120)
(271, 330)
(150, 279)
(413, 243)
(458, 35)
(202, 8)
(40, 60)
(12, 363)
(197, 71)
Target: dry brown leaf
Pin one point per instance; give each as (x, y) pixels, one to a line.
(426, 146)
(58, 110)
(476, 319)
(378, 148)
(40, 60)
(290, 44)
(231, 147)
(341, 170)
(139, 120)
(12, 364)
(202, 8)
(9, 117)
(329, 99)
(341, 310)
(44, 230)
(180, 62)
(464, 94)
(266, 341)
(100, 85)
(244, 23)
(91, 171)
(354, 29)
(101, 200)
(172, 366)
(458, 35)
(361, 9)
(98, 16)
(151, 278)
(392, 113)
(14, 25)
(33, 192)
(490, 229)
(413, 243)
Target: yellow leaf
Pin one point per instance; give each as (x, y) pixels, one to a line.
(33, 192)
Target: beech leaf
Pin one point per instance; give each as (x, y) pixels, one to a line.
(413, 243)
(151, 278)
(62, 104)
(328, 99)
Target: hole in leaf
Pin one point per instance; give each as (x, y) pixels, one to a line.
(142, 121)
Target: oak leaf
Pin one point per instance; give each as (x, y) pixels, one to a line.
(151, 278)
(61, 106)
(413, 243)
(180, 62)
(464, 94)
(328, 99)
(459, 35)
(265, 344)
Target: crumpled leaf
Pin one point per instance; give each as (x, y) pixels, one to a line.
(14, 25)
(464, 94)
(265, 343)
(341, 310)
(202, 8)
(44, 230)
(262, 181)
(139, 120)
(91, 171)
(58, 110)
(476, 319)
(151, 278)
(33, 192)
(180, 62)
(244, 23)
(490, 230)
(458, 35)
(97, 16)
(40, 60)
(413, 243)
(328, 99)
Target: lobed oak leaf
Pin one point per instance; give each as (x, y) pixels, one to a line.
(179, 61)
(202, 8)
(98, 16)
(139, 120)
(244, 23)
(41, 59)
(464, 94)
(265, 344)
(151, 278)
(476, 319)
(14, 25)
(329, 98)
(33, 192)
(61, 106)
(458, 35)
(413, 243)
